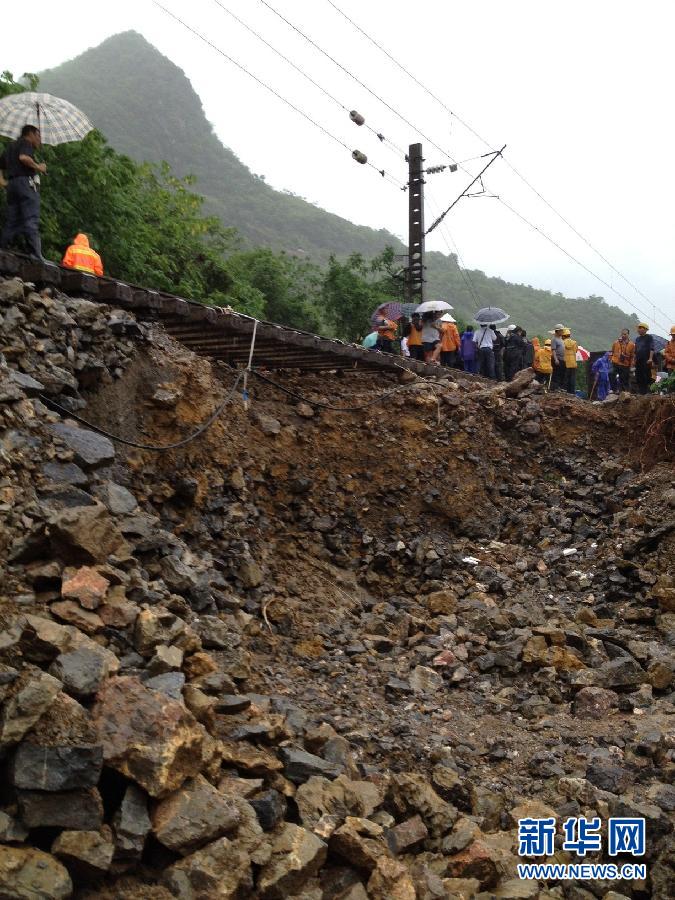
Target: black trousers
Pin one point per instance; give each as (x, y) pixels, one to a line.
(23, 215)
(620, 378)
(385, 345)
(643, 376)
(449, 358)
(570, 380)
(558, 379)
(416, 352)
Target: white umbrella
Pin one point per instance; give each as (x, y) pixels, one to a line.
(433, 306)
(58, 120)
(491, 315)
(447, 318)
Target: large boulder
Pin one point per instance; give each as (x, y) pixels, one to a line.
(91, 450)
(147, 736)
(297, 855)
(194, 815)
(221, 871)
(27, 874)
(85, 534)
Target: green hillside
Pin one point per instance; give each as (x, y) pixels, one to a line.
(147, 108)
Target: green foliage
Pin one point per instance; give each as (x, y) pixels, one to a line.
(353, 289)
(665, 386)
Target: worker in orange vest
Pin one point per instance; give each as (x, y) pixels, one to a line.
(386, 333)
(669, 352)
(415, 338)
(81, 257)
(450, 341)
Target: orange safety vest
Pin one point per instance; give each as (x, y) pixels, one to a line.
(669, 355)
(387, 331)
(450, 340)
(623, 353)
(80, 256)
(415, 336)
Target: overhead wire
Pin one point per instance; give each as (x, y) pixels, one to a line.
(389, 145)
(448, 239)
(510, 165)
(267, 87)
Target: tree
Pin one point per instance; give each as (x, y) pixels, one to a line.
(353, 289)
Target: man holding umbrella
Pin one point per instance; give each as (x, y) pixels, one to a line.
(22, 172)
(485, 338)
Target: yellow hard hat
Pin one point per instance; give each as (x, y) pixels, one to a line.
(566, 332)
(672, 329)
(643, 325)
(547, 342)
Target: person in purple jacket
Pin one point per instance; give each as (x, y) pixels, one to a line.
(468, 351)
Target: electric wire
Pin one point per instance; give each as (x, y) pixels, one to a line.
(510, 165)
(448, 239)
(357, 80)
(389, 145)
(267, 87)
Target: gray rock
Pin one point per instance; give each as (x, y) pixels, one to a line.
(300, 765)
(88, 854)
(64, 473)
(91, 450)
(75, 810)
(131, 824)
(11, 831)
(623, 673)
(56, 768)
(170, 683)
(117, 498)
(608, 776)
(22, 712)
(82, 671)
(28, 385)
(28, 874)
(270, 808)
(192, 816)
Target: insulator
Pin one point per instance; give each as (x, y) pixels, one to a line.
(356, 117)
(360, 157)
(453, 167)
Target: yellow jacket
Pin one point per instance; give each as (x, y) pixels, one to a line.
(542, 361)
(570, 353)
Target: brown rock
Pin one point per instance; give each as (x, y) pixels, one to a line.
(87, 854)
(86, 586)
(198, 665)
(660, 675)
(24, 709)
(411, 793)
(407, 834)
(42, 640)
(461, 888)
(85, 534)
(221, 871)
(71, 612)
(441, 603)
(154, 628)
(594, 702)
(249, 758)
(117, 611)
(476, 861)
(147, 736)
(192, 816)
(297, 855)
(359, 842)
(27, 874)
(391, 881)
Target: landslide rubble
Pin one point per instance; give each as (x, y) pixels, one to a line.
(315, 654)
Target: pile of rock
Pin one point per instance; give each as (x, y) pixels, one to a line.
(260, 671)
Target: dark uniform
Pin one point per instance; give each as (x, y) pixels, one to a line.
(23, 198)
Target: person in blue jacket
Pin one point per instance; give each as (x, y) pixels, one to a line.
(601, 369)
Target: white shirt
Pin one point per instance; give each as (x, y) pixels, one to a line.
(484, 338)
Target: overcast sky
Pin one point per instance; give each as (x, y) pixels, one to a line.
(577, 89)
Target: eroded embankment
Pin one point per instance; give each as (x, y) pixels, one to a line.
(318, 654)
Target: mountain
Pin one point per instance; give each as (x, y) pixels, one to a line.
(147, 108)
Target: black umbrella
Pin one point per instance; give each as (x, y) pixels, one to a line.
(491, 315)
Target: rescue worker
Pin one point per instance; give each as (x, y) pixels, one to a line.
(468, 351)
(623, 359)
(644, 357)
(513, 353)
(449, 340)
(601, 369)
(80, 256)
(542, 363)
(23, 191)
(558, 358)
(386, 333)
(669, 352)
(415, 338)
(571, 346)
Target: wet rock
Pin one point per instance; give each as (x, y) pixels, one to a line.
(221, 871)
(86, 586)
(85, 535)
(192, 816)
(60, 768)
(623, 673)
(147, 736)
(391, 881)
(300, 765)
(24, 709)
(131, 824)
(270, 808)
(91, 450)
(87, 854)
(83, 671)
(404, 836)
(28, 874)
(297, 855)
(79, 810)
(594, 702)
